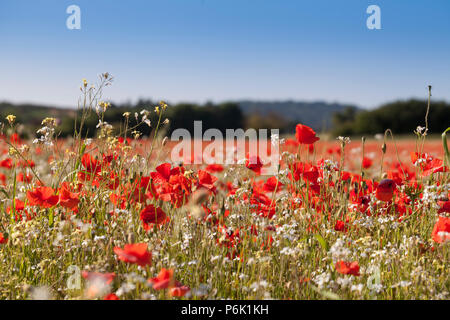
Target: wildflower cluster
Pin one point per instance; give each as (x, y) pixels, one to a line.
(136, 225)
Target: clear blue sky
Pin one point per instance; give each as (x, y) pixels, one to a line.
(199, 50)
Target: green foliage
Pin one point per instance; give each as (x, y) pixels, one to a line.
(318, 115)
(31, 116)
(272, 120)
(400, 116)
(221, 116)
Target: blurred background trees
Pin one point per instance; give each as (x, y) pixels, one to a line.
(402, 117)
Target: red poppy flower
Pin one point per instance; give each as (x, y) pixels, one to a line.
(91, 164)
(24, 178)
(179, 183)
(205, 180)
(441, 230)
(3, 178)
(348, 267)
(271, 184)
(254, 163)
(311, 174)
(434, 166)
(141, 188)
(176, 190)
(122, 140)
(444, 206)
(134, 253)
(7, 163)
(307, 171)
(42, 196)
(19, 205)
(345, 175)
(367, 163)
(164, 172)
(3, 240)
(164, 279)
(385, 190)
(305, 135)
(111, 296)
(427, 163)
(340, 226)
(68, 199)
(179, 291)
(152, 215)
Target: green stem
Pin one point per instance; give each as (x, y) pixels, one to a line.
(446, 151)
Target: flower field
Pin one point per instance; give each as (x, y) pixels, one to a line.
(114, 218)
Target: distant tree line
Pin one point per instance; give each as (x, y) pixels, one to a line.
(183, 115)
(400, 116)
(222, 116)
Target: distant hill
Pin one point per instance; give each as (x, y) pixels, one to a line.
(317, 115)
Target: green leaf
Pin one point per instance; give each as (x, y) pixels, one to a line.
(327, 294)
(51, 217)
(4, 192)
(322, 241)
(444, 143)
(13, 211)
